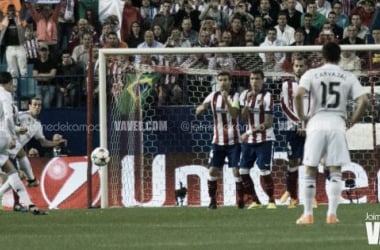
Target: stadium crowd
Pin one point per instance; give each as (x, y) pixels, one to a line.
(46, 47)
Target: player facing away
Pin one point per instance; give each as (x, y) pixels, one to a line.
(295, 130)
(330, 88)
(257, 140)
(225, 143)
(7, 141)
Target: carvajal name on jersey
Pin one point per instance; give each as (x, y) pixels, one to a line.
(330, 74)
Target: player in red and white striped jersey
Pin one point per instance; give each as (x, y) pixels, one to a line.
(295, 133)
(257, 146)
(225, 142)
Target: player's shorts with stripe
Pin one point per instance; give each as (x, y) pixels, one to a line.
(220, 153)
(261, 153)
(295, 145)
(326, 137)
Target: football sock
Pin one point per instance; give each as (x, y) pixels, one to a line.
(240, 190)
(18, 186)
(310, 190)
(16, 198)
(5, 187)
(292, 181)
(334, 191)
(212, 186)
(268, 186)
(25, 165)
(249, 187)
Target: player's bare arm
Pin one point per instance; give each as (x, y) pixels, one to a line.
(361, 106)
(298, 103)
(49, 144)
(201, 108)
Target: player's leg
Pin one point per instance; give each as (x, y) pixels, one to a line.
(334, 191)
(218, 155)
(248, 158)
(24, 164)
(16, 184)
(315, 147)
(233, 155)
(264, 152)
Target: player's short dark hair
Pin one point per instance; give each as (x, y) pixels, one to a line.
(331, 52)
(5, 77)
(258, 72)
(37, 98)
(225, 73)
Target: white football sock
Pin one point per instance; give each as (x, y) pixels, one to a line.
(18, 186)
(25, 165)
(5, 187)
(334, 191)
(310, 190)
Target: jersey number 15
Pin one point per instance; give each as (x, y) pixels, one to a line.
(329, 89)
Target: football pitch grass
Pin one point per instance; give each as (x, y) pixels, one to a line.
(185, 228)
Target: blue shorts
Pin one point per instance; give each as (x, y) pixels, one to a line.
(219, 154)
(295, 145)
(261, 153)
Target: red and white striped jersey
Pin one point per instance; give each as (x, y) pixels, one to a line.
(289, 88)
(226, 129)
(258, 106)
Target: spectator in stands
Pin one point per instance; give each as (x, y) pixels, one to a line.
(188, 32)
(188, 12)
(209, 25)
(114, 42)
(352, 36)
(284, 31)
(350, 61)
(331, 20)
(293, 15)
(268, 10)
(82, 27)
(130, 15)
(46, 22)
(237, 32)
(311, 33)
(175, 40)
(362, 30)
(165, 19)
(147, 13)
(33, 153)
(12, 37)
(212, 11)
(106, 29)
(70, 76)
(30, 44)
(342, 20)
(149, 42)
(323, 7)
(317, 19)
(158, 34)
(326, 35)
(66, 22)
(44, 72)
(59, 150)
(272, 41)
(81, 53)
(170, 87)
(222, 61)
(92, 18)
(259, 30)
(246, 18)
(366, 10)
(135, 36)
(250, 37)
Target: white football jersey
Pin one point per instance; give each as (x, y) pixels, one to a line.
(330, 88)
(32, 124)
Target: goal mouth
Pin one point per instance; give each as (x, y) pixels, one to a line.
(148, 123)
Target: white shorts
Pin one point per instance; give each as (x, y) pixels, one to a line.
(13, 152)
(326, 137)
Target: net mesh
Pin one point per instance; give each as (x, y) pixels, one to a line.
(151, 113)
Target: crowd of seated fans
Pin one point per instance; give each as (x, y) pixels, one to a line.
(57, 39)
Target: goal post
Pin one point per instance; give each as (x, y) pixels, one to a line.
(130, 120)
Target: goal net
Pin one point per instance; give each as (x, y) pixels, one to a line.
(147, 100)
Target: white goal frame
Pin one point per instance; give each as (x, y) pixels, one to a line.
(188, 51)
